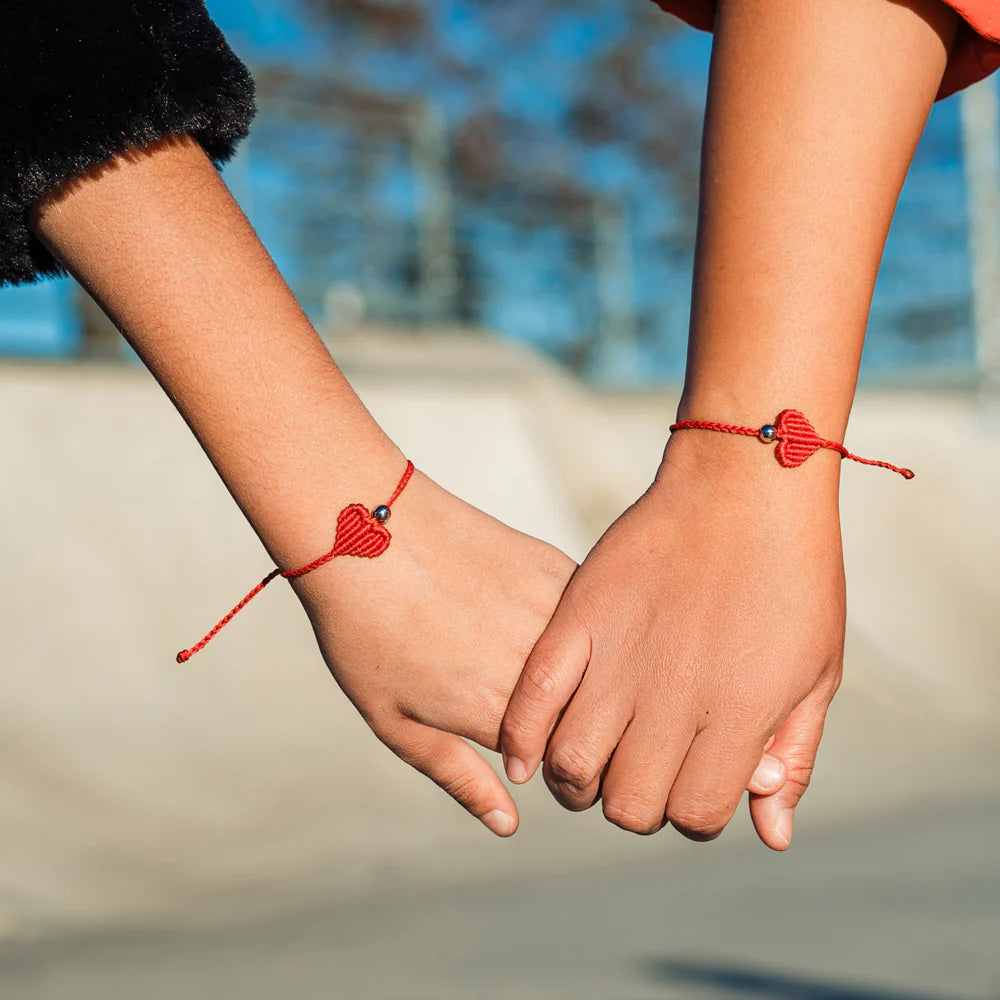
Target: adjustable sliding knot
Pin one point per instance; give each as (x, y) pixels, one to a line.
(795, 436)
(360, 532)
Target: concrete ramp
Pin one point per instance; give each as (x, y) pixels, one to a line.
(134, 789)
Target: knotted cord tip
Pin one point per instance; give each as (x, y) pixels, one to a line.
(360, 543)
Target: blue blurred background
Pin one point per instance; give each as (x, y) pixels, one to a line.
(526, 168)
(425, 173)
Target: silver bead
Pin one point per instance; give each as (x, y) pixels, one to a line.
(768, 433)
(381, 514)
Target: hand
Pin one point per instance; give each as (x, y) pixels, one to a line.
(708, 620)
(429, 638)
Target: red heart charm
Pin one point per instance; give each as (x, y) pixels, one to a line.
(797, 438)
(359, 534)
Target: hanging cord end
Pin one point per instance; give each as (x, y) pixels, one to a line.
(794, 437)
(365, 535)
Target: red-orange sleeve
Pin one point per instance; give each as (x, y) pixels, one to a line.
(974, 55)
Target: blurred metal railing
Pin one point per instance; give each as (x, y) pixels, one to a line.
(358, 197)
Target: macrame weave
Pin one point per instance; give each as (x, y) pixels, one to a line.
(359, 533)
(796, 439)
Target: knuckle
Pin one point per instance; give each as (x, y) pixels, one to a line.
(799, 776)
(571, 798)
(696, 821)
(633, 816)
(461, 787)
(570, 765)
(540, 675)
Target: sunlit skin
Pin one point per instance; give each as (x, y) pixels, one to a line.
(778, 319)
(429, 638)
(710, 617)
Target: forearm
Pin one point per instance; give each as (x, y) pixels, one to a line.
(665, 673)
(160, 243)
(163, 247)
(814, 112)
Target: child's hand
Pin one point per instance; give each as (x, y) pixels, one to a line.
(429, 638)
(707, 620)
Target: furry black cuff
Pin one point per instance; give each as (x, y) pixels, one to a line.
(82, 82)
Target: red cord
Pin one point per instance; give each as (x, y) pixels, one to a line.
(358, 534)
(709, 425)
(796, 439)
(401, 485)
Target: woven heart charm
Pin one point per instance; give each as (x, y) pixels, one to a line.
(797, 438)
(359, 534)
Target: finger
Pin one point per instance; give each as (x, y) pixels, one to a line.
(795, 744)
(584, 740)
(769, 776)
(461, 771)
(711, 781)
(550, 676)
(642, 772)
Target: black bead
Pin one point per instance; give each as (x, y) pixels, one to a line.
(768, 433)
(381, 514)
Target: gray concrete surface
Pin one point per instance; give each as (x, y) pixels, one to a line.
(136, 793)
(904, 907)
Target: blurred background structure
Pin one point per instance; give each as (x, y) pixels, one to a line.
(488, 210)
(530, 168)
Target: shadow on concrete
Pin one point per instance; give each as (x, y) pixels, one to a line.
(748, 981)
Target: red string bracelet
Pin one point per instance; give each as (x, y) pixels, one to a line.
(795, 436)
(360, 532)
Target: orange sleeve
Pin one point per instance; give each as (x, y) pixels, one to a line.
(974, 55)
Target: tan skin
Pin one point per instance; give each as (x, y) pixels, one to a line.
(709, 619)
(159, 242)
(428, 639)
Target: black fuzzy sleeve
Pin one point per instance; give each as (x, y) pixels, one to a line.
(84, 80)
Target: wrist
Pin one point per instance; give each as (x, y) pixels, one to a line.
(759, 403)
(294, 511)
(744, 467)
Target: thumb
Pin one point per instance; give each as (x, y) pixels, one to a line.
(461, 771)
(795, 745)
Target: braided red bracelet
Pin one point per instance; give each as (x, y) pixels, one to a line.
(360, 532)
(796, 439)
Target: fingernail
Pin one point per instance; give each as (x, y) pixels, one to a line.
(516, 769)
(786, 820)
(499, 822)
(770, 772)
